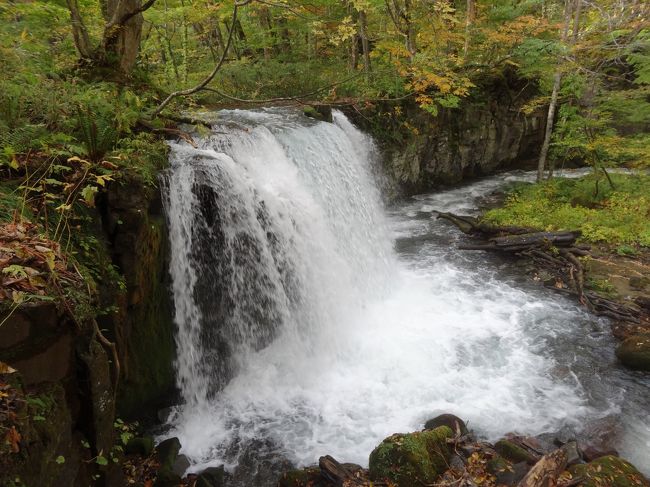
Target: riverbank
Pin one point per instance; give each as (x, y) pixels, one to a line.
(613, 217)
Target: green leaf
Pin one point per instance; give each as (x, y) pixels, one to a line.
(101, 460)
(60, 460)
(88, 194)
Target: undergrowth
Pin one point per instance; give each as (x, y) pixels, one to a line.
(618, 215)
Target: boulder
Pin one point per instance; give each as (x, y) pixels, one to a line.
(319, 112)
(411, 459)
(514, 453)
(450, 420)
(211, 477)
(609, 471)
(167, 478)
(167, 452)
(635, 352)
(181, 464)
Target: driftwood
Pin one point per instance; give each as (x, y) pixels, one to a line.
(556, 252)
(546, 471)
(471, 225)
(335, 473)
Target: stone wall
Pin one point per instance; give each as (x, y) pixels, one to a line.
(487, 132)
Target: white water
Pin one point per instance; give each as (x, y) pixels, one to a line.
(313, 322)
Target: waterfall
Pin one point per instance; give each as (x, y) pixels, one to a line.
(313, 321)
(276, 229)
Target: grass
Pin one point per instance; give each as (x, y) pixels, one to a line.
(618, 216)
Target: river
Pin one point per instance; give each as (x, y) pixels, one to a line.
(313, 320)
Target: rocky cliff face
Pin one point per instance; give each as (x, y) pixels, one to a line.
(66, 391)
(487, 132)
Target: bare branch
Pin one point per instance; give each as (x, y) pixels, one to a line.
(214, 72)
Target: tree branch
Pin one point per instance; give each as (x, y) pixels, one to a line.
(214, 72)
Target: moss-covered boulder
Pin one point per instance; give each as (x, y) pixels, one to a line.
(319, 112)
(609, 471)
(411, 459)
(514, 453)
(635, 352)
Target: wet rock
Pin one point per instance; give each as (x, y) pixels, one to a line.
(591, 453)
(453, 422)
(598, 438)
(140, 446)
(307, 477)
(166, 414)
(573, 453)
(505, 472)
(166, 477)
(181, 464)
(319, 112)
(411, 459)
(609, 471)
(635, 352)
(515, 453)
(167, 452)
(211, 477)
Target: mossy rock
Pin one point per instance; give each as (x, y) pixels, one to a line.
(609, 471)
(167, 452)
(513, 452)
(635, 352)
(319, 112)
(411, 459)
(454, 422)
(301, 478)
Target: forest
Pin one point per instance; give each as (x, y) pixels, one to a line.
(215, 214)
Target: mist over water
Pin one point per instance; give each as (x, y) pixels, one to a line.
(312, 321)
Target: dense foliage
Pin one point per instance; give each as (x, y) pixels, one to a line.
(81, 80)
(617, 215)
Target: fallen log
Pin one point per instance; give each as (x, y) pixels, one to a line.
(335, 473)
(546, 471)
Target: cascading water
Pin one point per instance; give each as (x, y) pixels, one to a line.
(312, 322)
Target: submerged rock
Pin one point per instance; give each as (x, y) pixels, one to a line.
(411, 459)
(635, 352)
(453, 422)
(609, 471)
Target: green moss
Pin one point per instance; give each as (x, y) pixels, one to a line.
(513, 452)
(609, 471)
(635, 352)
(411, 459)
(616, 215)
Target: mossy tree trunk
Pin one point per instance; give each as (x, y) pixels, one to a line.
(120, 43)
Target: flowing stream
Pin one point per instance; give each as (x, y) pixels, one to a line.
(312, 320)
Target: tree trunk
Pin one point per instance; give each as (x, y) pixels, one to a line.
(557, 82)
(365, 45)
(550, 116)
(121, 41)
(79, 31)
(469, 21)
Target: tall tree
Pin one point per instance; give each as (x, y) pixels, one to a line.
(120, 43)
(557, 82)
